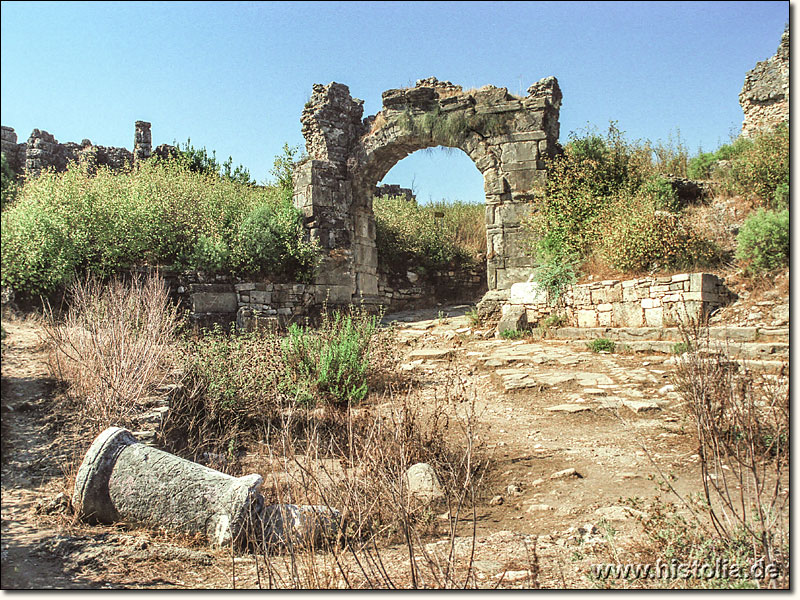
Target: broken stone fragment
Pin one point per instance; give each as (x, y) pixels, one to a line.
(421, 481)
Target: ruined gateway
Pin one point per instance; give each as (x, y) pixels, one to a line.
(506, 136)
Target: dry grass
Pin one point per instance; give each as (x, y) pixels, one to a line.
(114, 346)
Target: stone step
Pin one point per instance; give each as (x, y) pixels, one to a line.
(745, 350)
(673, 334)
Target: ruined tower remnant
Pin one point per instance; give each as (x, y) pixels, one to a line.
(142, 141)
(43, 151)
(765, 93)
(506, 136)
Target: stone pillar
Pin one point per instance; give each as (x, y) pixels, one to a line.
(121, 479)
(142, 141)
(15, 153)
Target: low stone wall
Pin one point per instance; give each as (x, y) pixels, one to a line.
(646, 302)
(411, 290)
(245, 303)
(278, 304)
(43, 151)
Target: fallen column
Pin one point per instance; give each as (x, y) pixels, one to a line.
(121, 479)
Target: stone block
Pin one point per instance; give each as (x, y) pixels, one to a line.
(494, 183)
(527, 293)
(614, 293)
(606, 307)
(599, 296)
(654, 317)
(524, 179)
(703, 282)
(244, 287)
(648, 303)
(587, 318)
(604, 318)
(261, 297)
(512, 318)
(490, 219)
(519, 152)
(512, 213)
(367, 284)
(508, 276)
(629, 294)
(582, 295)
(628, 314)
(214, 302)
(659, 289)
(680, 277)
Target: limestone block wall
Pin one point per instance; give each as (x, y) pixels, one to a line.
(43, 151)
(765, 93)
(646, 302)
(400, 292)
(508, 138)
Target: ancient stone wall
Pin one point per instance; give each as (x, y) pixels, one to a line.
(223, 300)
(411, 291)
(507, 137)
(646, 302)
(765, 94)
(394, 191)
(43, 151)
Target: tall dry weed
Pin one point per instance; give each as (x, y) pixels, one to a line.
(114, 346)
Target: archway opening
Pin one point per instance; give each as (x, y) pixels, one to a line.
(429, 211)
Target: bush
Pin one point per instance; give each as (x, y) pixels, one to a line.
(762, 167)
(639, 238)
(114, 348)
(329, 365)
(270, 242)
(409, 236)
(601, 193)
(763, 241)
(230, 385)
(601, 345)
(8, 182)
(160, 213)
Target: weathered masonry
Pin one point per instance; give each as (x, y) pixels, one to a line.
(506, 136)
(765, 93)
(43, 151)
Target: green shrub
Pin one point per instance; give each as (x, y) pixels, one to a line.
(700, 166)
(160, 213)
(601, 345)
(270, 242)
(231, 384)
(8, 182)
(409, 236)
(555, 274)
(329, 365)
(199, 161)
(513, 334)
(593, 178)
(680, 348)
(762, 167)
(763, 241)
(554, 321)
(639, 238)
(474, 317)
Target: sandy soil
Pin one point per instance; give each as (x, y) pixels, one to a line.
(571, 434)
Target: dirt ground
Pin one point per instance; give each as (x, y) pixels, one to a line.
(571, 435)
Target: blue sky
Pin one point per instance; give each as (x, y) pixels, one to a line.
(233, 77)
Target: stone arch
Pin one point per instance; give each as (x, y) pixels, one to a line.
(506, 136)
